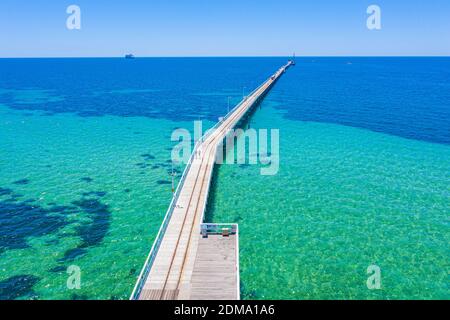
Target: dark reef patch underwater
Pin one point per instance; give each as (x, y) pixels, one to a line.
(21, 182)
(18, 287)
(20, 220)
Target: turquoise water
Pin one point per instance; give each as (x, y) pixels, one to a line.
(363, 179)
(97, 205)
(343, 199)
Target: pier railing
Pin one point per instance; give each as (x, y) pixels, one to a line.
(212, 129)
(244, 99)
(210, 227)
(159, 237)
(162, 230)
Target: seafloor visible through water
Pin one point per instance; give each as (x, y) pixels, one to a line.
(363, 179)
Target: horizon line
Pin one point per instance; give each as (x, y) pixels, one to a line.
(231, 56)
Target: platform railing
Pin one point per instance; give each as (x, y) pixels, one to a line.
(218, 228)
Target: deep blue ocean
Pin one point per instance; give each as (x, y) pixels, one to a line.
(408, 97)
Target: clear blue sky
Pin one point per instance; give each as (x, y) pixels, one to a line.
(37, 28)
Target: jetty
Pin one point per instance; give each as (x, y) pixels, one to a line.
(191, 259)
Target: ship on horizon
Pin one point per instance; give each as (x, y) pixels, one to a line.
(129, 56)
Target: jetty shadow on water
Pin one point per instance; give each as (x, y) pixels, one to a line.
(211, 201)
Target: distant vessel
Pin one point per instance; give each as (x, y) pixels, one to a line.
(129, 56)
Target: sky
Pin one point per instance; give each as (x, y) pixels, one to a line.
(37, 28)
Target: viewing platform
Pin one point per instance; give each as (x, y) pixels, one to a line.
(191, 259)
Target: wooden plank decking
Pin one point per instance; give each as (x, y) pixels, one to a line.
(214, 276)
(183, 255)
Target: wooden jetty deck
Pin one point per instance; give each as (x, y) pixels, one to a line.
(216, 269)
(183, 264)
